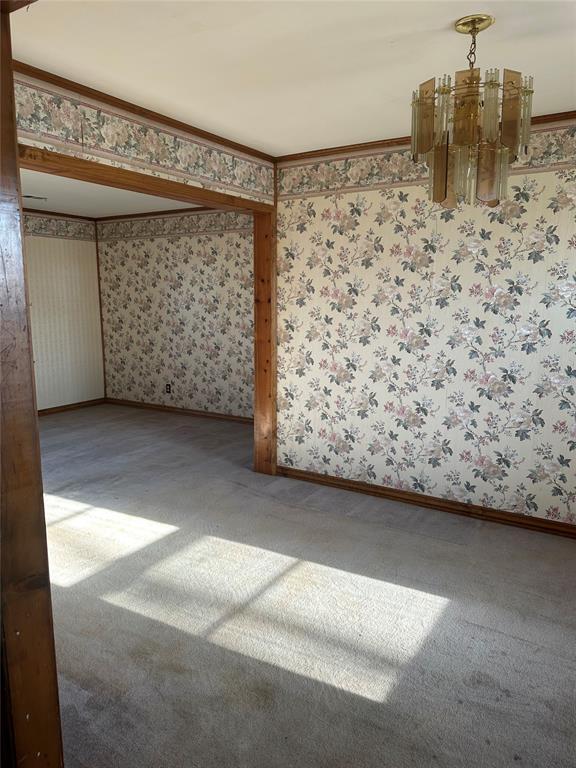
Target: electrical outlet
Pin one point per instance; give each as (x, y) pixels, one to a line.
(168, 389)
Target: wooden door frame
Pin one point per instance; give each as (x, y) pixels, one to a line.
(58, 164)
(31, 713)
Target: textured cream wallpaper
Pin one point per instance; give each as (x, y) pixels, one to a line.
(65, 318)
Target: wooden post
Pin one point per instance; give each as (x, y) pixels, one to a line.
(265, 343)
(29, 663)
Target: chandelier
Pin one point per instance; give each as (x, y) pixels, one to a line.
(469, 132)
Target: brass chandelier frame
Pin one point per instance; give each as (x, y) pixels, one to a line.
(468, 132)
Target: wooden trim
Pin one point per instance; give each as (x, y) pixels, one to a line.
(71, 406)
(555, 117)
(265, 343)
(27, 624)
(59, 215)
(135, 109)
(157, 214)
(434, 502)
(59, 164)
(175, 409)
(99, 278)
(401, 141)
(345, 149)
(9, 6)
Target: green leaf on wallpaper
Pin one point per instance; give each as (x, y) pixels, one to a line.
(508, 376)
(543, 331)
(424, 330)
(429, 246)
(485, 234)
(502, 460)
(352, 289)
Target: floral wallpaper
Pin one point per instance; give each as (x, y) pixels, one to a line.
(395, 166)
(177, 310)
(44, 225)
(50, 118)
(429, 350)
(174, 225)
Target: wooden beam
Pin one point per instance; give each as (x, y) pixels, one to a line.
(27, 631)
(9, 6)
(59, 164)
(265, 343)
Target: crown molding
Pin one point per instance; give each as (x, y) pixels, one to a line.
(105, 98)
(345, 149)
(400, 142)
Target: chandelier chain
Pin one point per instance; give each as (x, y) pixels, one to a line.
(472, 52)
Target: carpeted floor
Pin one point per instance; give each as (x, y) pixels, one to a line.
(210, 617)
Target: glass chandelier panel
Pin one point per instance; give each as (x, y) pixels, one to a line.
(469, 131)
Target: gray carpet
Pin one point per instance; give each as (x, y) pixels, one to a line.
(209, 617)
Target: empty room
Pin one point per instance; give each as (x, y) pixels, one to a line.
(288, 384)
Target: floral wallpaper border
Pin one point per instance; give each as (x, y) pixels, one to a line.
(51, 118)
(44, 225)
(551, 147)
(175, 225)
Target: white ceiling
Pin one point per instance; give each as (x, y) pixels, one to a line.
(84, 199)
(292, 76)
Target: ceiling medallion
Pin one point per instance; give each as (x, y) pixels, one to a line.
(468, 133)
